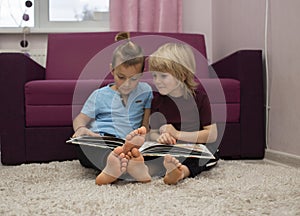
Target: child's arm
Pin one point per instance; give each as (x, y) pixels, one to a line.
(80, 124)
(207, 135)
(146, 117)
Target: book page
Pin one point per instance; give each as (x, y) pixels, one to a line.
(102, 142)
(177, 150)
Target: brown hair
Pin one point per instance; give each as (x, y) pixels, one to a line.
(128, 53)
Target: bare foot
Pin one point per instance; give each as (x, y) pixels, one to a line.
(116, 165)
(136, 166)
(174, 171)
(135, 139)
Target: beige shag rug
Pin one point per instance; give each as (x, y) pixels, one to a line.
(231, 188)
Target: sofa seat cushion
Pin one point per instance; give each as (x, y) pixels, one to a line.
(57, 102)
(221, 90)
(54, 102)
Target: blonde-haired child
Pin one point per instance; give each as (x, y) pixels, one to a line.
(179, 111)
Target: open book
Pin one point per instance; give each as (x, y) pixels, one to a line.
(148, 148)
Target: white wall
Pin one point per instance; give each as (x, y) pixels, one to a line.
(12, 41)
(239, 24)
(197, 19)
(284, 43)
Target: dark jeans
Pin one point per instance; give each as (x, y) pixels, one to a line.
(96, 158)
(92, 157)
(195, 165)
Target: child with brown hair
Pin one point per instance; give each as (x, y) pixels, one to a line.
(118, 109)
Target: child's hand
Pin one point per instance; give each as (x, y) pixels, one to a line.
(166, 138)
(168, 128)
(85, 131)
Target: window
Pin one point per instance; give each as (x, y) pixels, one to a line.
(55, 15)
(70, 10)
(14, 13)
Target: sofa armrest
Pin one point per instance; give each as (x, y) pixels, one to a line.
(16, 69)
(239, 64)
(247, 67)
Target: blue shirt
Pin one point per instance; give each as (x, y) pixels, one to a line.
(111, 116)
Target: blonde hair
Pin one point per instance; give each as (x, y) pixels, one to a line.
(179, 60)
(128, 53)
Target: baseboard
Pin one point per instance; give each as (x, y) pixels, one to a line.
(284, 158)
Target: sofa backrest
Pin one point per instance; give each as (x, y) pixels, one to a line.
(68, 54)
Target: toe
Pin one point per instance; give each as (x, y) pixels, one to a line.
(131, 134)
(118, 150)
(175, 161)
(128, 137)
(135, 152)
(142, 130)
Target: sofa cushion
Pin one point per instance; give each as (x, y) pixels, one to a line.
(220, 89)
(56, 102)
(221, 92)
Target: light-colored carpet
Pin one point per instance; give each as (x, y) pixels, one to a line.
(231, 188)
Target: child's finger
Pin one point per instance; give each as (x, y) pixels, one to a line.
(173, 140)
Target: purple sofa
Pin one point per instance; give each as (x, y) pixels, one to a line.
(38, 104)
